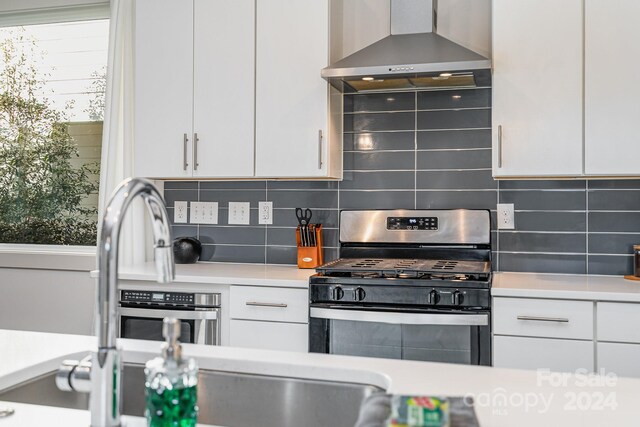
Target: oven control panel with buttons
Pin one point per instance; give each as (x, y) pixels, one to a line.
(412, 223)
(157, 297)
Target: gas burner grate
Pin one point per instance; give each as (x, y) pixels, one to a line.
(445, 265)
(406, 268)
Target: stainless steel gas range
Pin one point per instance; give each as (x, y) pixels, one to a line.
(410, 284)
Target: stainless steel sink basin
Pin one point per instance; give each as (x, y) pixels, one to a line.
(227, 399)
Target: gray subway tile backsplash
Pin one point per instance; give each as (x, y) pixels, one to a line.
(379, 122)
(371, 141)
(378, 180)
(455, 159)
(453, 139)
(452, 99)
(381, 160)
(442, 161)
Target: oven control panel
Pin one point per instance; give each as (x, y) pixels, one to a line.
(157, 297)
(412, 223)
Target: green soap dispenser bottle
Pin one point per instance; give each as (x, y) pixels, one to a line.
(171, 383)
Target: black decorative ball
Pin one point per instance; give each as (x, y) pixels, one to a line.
(187, 250)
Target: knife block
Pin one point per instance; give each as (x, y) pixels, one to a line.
(310, 256)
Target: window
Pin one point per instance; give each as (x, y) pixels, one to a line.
(52, 84)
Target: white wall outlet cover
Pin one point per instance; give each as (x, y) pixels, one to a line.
(210, 213)
(506, 216)
(197, 212)
(239, 213)
(180, 212)
(265, 212)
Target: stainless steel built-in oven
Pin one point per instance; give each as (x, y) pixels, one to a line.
(141, 314)
(449, 337)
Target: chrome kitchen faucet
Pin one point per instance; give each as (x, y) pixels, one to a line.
(100, 372)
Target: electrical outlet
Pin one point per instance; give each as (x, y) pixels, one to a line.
(210, 213)
(204, 212)
(180, 212)
(506, 216)
(239, 213)
(265, 212)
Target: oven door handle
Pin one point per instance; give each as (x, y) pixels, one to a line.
(178, 314)
(401, 318)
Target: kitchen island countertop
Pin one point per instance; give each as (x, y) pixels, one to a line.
(503, 397)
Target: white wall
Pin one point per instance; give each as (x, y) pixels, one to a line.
(47, 300)
(466, 22)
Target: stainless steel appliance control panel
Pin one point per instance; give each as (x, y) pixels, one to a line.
(412, 223)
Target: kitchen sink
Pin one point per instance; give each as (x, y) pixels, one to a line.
(226, 399)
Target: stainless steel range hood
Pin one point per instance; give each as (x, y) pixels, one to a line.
(413, 56)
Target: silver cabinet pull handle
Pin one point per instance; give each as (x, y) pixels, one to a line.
(499, 146)
(195, 151)
(266, 304)
(320, 138)
(544, 319)
(185, 141)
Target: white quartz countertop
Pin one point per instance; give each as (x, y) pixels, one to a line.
(225, 274)
(503, 397)
(565, 286)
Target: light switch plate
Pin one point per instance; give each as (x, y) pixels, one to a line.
(180, 212)
(265, 215)
(506, 220)
(204, 212)
(239, 213)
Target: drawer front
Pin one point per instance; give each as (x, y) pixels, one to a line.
(542, 353)
(543, 318)
(269, 335)
(621, 359)
(618, 322)
(273, 304)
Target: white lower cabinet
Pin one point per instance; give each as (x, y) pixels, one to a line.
(269, 318)
(532, 333)
(269, 335)
(618, 338)
(620, 359)
(542, 353)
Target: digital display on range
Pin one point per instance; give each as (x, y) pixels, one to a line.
(157, 297)
(412, 223)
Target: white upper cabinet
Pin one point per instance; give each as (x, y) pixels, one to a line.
(612, 110)
(292, 131)
(163, 88)
(223, 96)
(194, 77)
(537, 88)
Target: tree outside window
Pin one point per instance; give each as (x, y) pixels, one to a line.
(52, 81)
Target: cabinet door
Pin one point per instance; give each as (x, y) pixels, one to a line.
(542, 353)
(269, 335)
(537, 88)
(612, 110)
(224, 71)
(621, 359)
(163, 88)
(291, 97)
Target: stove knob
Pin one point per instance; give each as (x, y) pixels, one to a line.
(433, 297)
(457, 298)
(359, 294)
(337, 293)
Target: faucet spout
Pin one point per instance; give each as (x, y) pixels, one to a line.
(106, 363)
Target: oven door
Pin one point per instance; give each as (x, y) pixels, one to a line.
(197, 327)
(463, 338)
